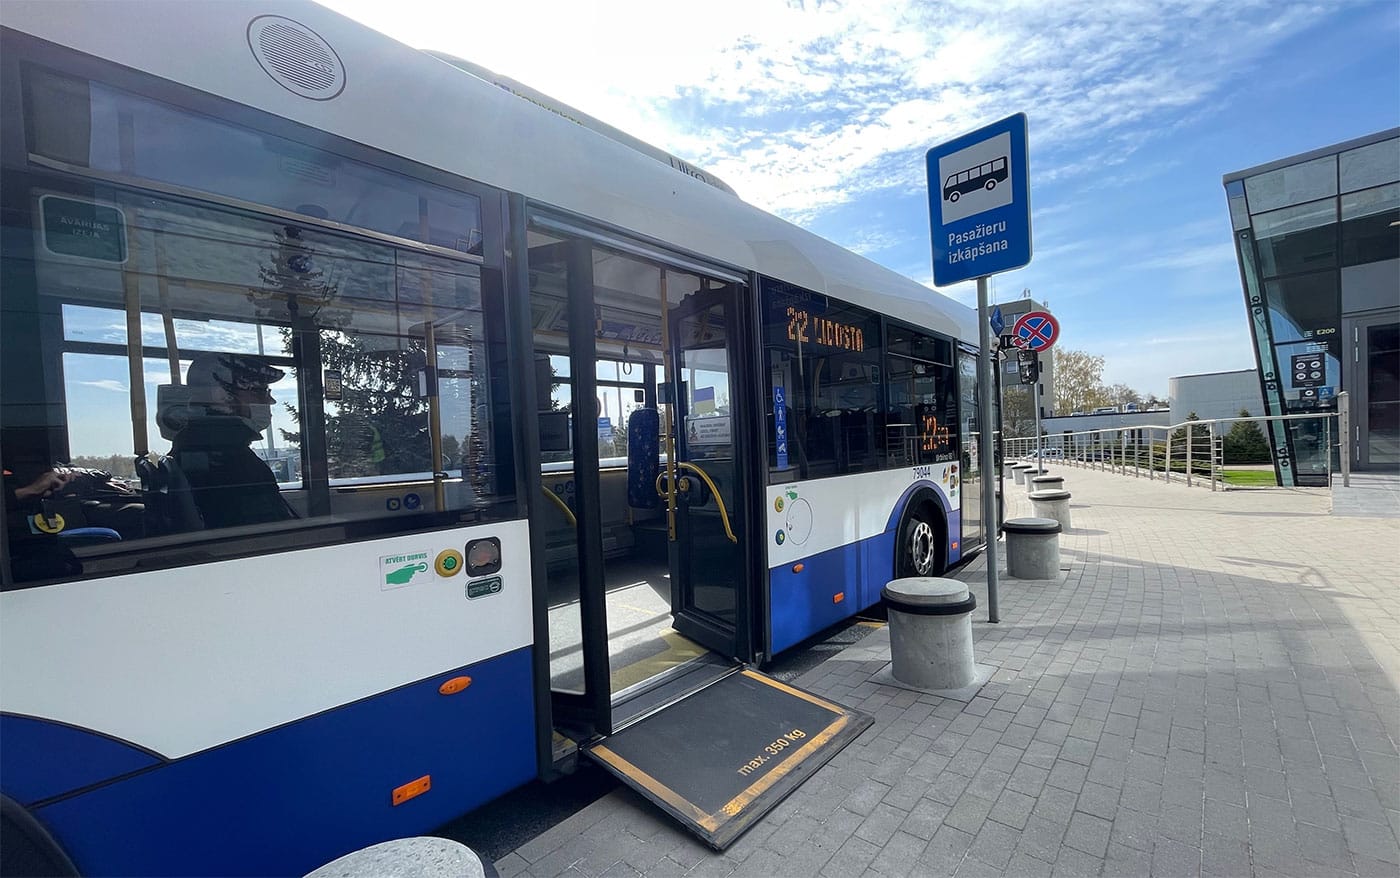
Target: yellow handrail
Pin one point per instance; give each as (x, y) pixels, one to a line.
(714, 489)
(563, 507)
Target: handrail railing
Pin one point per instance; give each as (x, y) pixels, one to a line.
(1197, 449)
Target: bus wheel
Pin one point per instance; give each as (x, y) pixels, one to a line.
(991, 184)
(918, 544)
(954, 195)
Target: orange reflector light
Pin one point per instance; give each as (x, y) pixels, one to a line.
(955, 544)
(798, 568)
(838, 597)
(455, 685)
(413, 788)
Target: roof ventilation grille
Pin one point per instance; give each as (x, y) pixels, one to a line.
(296, 57)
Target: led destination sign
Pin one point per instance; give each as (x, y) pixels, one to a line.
(816, 330)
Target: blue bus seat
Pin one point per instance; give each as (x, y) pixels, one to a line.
(643, 458)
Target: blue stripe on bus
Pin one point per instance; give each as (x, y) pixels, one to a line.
(294, 798)
(42, 759)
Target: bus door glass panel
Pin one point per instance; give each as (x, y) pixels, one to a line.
(969, 426)
(707, 565)
(559, 502)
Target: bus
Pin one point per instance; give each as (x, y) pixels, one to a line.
(400, 284)
(985, 176)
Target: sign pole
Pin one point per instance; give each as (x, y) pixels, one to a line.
(1035, 401)
(984, 446)
(980, 225)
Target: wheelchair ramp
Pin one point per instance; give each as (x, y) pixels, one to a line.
(722, 757)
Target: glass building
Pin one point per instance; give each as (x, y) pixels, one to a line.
(1318, 242)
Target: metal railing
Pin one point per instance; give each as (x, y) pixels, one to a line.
(1192, 451)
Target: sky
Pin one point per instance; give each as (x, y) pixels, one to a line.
(822, 114)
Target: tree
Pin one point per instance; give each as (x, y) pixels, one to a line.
(1198, 431)
(1078, 382)
(1121, 395)
(380, 424)
(1017, 413)
(1245, 443)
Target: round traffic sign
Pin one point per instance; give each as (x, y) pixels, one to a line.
(1035, 331)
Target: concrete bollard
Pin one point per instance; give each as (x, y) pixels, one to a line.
(424, 857)
(1051, 504)
(1032, 474)
(1032, 548)
(931, 632)
(1048, 483)
(1019, 471)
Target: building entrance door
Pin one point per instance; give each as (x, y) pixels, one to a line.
(1374, 381)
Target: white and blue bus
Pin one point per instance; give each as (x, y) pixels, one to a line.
(457, 566)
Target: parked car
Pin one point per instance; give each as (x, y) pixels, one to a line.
(1048, 454)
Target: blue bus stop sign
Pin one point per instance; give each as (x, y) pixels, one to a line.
(979, 202)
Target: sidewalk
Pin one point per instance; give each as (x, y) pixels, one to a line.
(1211, 687)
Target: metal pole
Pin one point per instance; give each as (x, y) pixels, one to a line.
(1344, 434)
(1151, 476)
(1190, 441)
(1035, 401)
(1212, 455)
(1327, 447)
(984, 392)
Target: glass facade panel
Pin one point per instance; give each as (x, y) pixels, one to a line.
(1294, 184)
(1302, 238)
(1303, 306)
(1312, 373)
(1239, 210)
(1371, 201)
(1371, 165)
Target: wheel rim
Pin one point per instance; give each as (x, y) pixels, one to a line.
(921, 548)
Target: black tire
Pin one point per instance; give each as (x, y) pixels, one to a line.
(954, 195)
(991, 184)
(26, 847)
(921, 546)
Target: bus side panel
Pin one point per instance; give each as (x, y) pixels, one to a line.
(843, 533)
(42, 759)
(824, 592)
(291, 799)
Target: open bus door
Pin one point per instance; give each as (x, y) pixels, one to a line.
(702, 484)
(711, 742)
(721, 757)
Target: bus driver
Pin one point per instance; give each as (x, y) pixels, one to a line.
(230, 406)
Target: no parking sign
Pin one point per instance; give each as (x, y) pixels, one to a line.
(1035, 331)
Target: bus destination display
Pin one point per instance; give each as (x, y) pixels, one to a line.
(805, 328)
(935, 438)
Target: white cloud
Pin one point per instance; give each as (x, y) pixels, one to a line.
(106, 384)
(803, 107)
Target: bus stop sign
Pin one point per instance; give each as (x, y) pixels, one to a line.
(979, 202)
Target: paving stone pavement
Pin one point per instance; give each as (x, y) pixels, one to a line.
(1212, 687)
